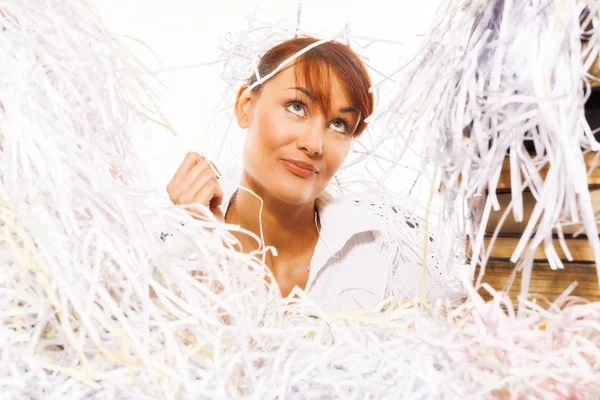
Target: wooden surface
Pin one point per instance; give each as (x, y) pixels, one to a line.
(544, 282)
(579, 247)
(593, 179)
(510, 225)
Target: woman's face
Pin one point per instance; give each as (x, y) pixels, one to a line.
(292, 150)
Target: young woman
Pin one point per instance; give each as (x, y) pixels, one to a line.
(300, 124)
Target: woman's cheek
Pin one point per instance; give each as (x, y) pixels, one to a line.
(268, 131)
(337, 154)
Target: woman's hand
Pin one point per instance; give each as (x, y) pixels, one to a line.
(196, 182)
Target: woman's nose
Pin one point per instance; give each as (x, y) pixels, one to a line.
(310, 140)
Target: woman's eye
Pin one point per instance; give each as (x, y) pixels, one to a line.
(297, 108)
(339, 126)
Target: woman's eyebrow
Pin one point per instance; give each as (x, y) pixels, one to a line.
(305, 91)
(349, 110)
(313, 99)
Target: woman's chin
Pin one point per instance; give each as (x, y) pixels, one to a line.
(290, 189)
(294, 196)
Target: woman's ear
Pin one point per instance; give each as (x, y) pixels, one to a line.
(243, 101)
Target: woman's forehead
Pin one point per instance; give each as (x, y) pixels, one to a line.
(289, 80)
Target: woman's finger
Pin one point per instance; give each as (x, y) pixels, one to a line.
(217, 199)
(211, 194)
(200, 190)
(191, 179)
(189, 161)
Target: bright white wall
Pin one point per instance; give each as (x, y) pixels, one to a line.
(186, 32)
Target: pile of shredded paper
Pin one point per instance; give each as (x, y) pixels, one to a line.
(94, 303)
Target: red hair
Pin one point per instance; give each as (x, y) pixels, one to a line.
(314, 69)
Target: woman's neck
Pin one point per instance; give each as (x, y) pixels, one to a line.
(289, 228)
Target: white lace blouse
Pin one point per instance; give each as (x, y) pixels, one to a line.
(362, 257)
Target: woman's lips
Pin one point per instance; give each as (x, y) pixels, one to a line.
(300, 168)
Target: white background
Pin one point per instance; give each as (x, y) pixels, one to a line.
(187, 32)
